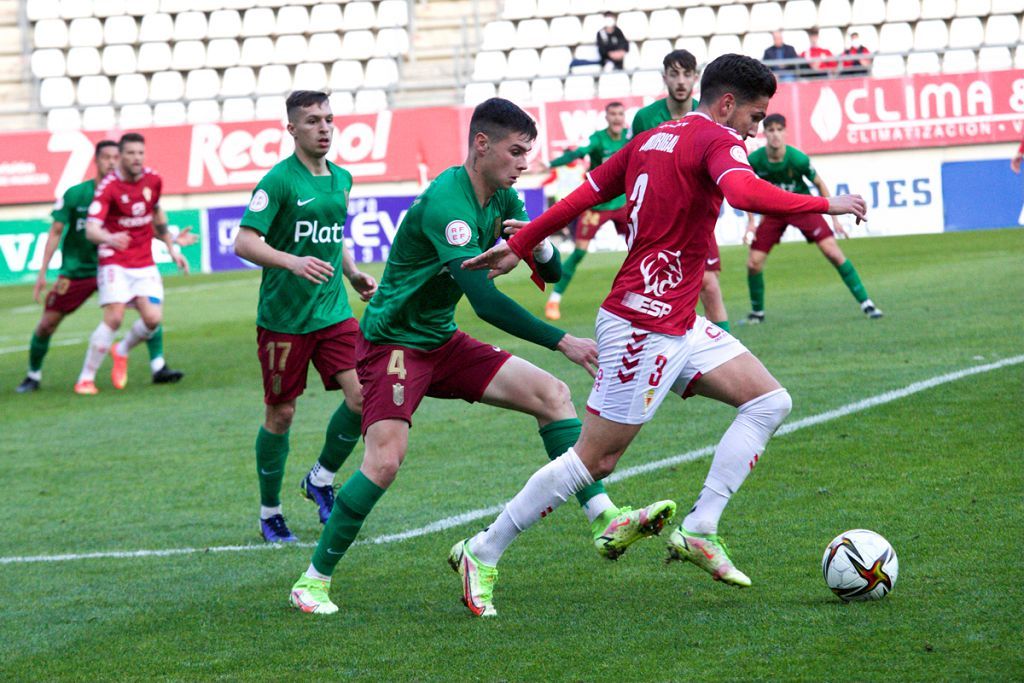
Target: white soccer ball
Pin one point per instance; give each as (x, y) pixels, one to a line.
(860, 565)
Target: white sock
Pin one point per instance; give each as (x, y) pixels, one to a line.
(268, 512)
(99, 345)
(136, 334)
(37, 375)
(157, 364)
(321, 476)
(737, 453)
(596, 506)
(314, 574)
(555, 297)
(549, 487)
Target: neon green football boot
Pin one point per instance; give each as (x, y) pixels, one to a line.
(477, 580)
(312, 596)
(708, 552)
(618, 528)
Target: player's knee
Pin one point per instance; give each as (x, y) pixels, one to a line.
(754, 266)
(354, 401)
(554, 399)
(46, 328)
(770, 409)
(280, 416)
(381, 464)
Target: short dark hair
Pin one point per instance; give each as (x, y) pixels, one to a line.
(683, 59)
(300, 99)
(812, 32)
(125, 139)
(103, 144)
(497, 118)
(610, 14)
(854, 34)
(774, 119)
(745, 77)
(613, 104)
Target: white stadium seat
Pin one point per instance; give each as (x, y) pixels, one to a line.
(959, 62)
(203, 111)
(47, 63)
(169, 114)
(94, 90)
(498, 35)
(531, 33)
(238, 109)
(515, 91)
(592, 23)
(1018, 57)
(800, 14)
(346, 75)
(931, 34)
(896, 37)
(579, 87)
(923, 63)
(56, 92)
(175, 6)
(292, 19)
(99, 118)
(85, 32)
(1007, 6)
(699, 21)
(153, 57)
(238, 81)
(723, 44)
(554, 61)
(586, 52)
(522, 63)
(258, 21)
(553, 8)
(634, 25)
(1002, 29)
(831, 38)
(190, 26)
(613, 85)
(359, 16)
(695, 46)
(868, 11)
(938, 9)
(381, 72)
(732, 19)
(888, 66)
(519, 9)
(666, 23)
(370, 101)
(565, 31)
(290, 49)
(994, 59)
(256, 51)
(966, 32)
(973, 8)
(270, 108)
(834, 13)
(71, 9)
(325, 17)
(653, 52)
(119, 59)
(166, 86)
(222, 53)
(647, 84)
(225, 23)
(122, 29)
(903, 10)
(342, 103)
(392, 42)
(766, 16)
(156, 28)
(273, 79)
(584, 7)
(632, 59)
(37, 10)
(110, 8)
(755, 43)
(202, 84)
(546, 90)
(393, 14)
(141, 8)
(476, 93)
(619, 5)
(489, 66)
(309, 76)
(357, 45)
(188, 55)
(135, 116)
(324, 47)
(84, 61)
(63, 118)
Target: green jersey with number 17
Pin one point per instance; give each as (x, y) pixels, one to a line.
(78, 255)
(415, 303)
(301, 214)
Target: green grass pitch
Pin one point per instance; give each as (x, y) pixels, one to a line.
(938, 473)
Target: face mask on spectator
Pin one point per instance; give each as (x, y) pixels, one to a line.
(855, 44)
(609, 23)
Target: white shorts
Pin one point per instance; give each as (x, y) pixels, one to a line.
(120, 285)
(638, 369)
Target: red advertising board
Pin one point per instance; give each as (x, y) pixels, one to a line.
(829, 116)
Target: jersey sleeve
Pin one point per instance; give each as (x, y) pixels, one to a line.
(264, 205)
(450, 234)
(724, 154)
(61, 212)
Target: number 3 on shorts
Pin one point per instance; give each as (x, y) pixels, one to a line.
(396, 364)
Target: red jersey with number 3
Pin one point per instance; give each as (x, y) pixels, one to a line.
(670, 176)
(124, 206)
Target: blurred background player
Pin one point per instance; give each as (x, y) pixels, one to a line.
(294, 227)
(787, 167)
(601, 145)
(679, 73)
(123, 219)
(77, 279)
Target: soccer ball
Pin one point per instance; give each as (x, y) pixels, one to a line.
(860, 565)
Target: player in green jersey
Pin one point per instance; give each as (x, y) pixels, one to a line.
(411, 347)
(77, 279)
(680, 74)
(599, 148)
(294, 227)
(787, 167)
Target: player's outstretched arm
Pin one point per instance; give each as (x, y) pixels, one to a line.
(97, 234)
(52, 242)
(747, 192)
(249, 245)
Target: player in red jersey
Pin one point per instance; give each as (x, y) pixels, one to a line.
(650, 340)
(121, 222)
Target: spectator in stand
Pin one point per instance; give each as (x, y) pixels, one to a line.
(611, 43)
(777, 51)
(1015, 161)
(818, 66)
(856, 67)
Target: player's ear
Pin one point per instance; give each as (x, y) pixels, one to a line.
(290, 128)
(481, 143)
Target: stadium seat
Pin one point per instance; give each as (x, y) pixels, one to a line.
(695, 46)
(632, 60)
(923, 63)
(203, 111)
(666, 23)
(238, 109)
(584, 7)
(381, 73)
(699, 21)
(531, 33)
(498, 35)
(868, 36)
(522, 63)
(359, 16)
(169, 114)
(1018, 57)
(63, 118)
(342, 103)
(392, 42)
(238, 81)
(346, 75)
(966, 32)
(258, 21)
(766, 16)
(553, 8)
(959, 62)
(156, 28)
(896, 37)
(554, 61)
(732, 19)
(323, 47)
(973, 8)
(188, 55)
(586, 52)
(647, 84)
(256, 51)
(202, 84)
(650, 5)
(273, 79)
(85, 32)
(614, 85)
(99, 118)
(868, 12)
(153, 57)
(546, 90)
(489, 66)
(135, 116)
(291, 19)
(903, 10)
(634, 25)
(225, 23)
(166, 86)
(931, 34)
(189, 26)
(325, 17)
(938, 9)
(800, 14)
(834, 13)
(119, 59)
(94, 90)
(83, 61)
(142, 8)
(222, 53)
(175, 6)
(619, 6)
(270, 108)
(519, 9)
(110, 8)
(755, 43)
(592, 23)
(723, 44)
(290, 49)
(652, 52)
(831, 38)
(370, 101)
(578, 87)
(122, 29)
(56, 92)
(50, 33)
(514, 90)
(357, 45)
(47, 63)
(393, 14)
(565, 31)
(73, 9)
(888, 66)
(38, 10)
(994, 59)
(475, 93)
(1007, 6)
(1002, 29)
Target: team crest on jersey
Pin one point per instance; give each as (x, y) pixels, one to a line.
(662, 272)
(147, 194)
(458, 233)
(739, 154)
(497, 227)
(259, 201)
(398, 393)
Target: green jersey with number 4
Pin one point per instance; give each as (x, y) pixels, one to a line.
(301, 214)
(415, 303)
(78, 254)
(789, 173)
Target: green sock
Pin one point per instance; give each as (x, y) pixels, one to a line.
(343, 432)
(755, 281)
(354, 501)
(852, 281)
(271, 454)
(558, 437)
(37, 349)
(155, 344)
(724, 324)
(568, 270)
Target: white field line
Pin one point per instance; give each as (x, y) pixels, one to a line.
(70, 341)
(481, 513)
(183, 289)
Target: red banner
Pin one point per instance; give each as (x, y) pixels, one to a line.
(830, 116)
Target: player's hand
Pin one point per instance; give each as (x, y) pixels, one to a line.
(180, 261)
(364, 284)
(37, 289)
(1015, 163)
(838, 228)
(512, 226)
(583, 352)
(848, 204)
(313, 269)
(749, 235)
(499, 259)
(119, 241)
(185, 237)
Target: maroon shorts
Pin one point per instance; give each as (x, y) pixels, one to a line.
(714, 259)
(68, 295)
(285, 358)
(770, 230)
(396, 378)
(590, 221)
